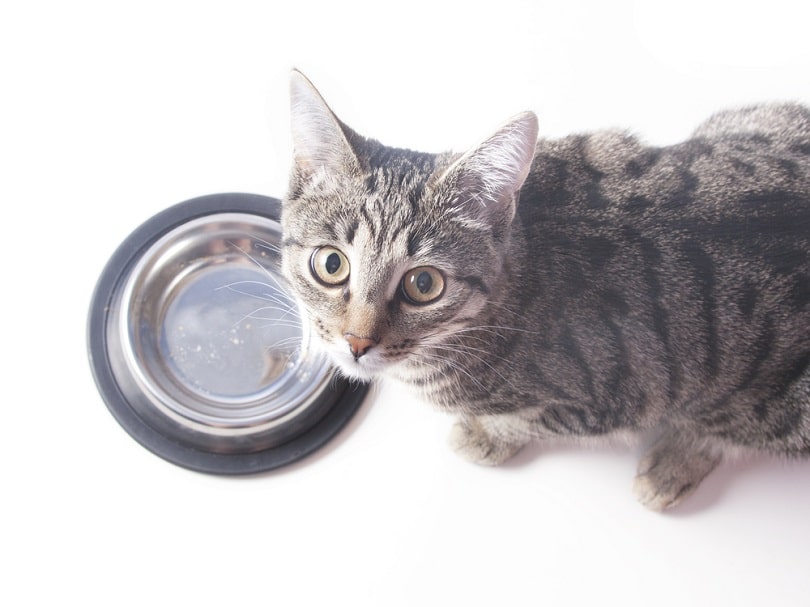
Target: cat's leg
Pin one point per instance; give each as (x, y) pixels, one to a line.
(489, 440)
(674, 467)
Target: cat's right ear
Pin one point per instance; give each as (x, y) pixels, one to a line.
(488, 177)
(320, 146)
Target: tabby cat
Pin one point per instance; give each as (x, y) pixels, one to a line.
(583, 286)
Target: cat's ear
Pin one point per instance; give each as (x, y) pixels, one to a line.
(487, 178)
(319, 140)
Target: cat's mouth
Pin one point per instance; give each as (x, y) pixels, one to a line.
(365, 368)
(370, 365)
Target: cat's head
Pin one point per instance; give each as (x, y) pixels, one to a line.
(389, 251)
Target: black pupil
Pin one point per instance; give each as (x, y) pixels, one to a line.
(333, 263)
(424, 282)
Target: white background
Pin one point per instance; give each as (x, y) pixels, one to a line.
(111, 111)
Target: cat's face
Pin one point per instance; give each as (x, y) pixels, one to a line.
(391, 252)
(381, 280)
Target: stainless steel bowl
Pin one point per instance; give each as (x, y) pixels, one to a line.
(201, 353)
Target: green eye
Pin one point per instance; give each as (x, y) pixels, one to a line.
(423, 285)
(329, 266)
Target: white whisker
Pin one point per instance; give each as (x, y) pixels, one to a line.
(282, 345)
(466, 351)
(264, 296)
(261, 243)
(452, 364)
(288, 317)
(256, 262)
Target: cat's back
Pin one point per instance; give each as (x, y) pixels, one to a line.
(732, 200)
(729, 167)
(785, 124)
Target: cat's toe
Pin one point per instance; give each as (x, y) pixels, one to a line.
(470, 441)
(672, 470)
(658, 496)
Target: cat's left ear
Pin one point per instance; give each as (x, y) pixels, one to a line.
(487, 178)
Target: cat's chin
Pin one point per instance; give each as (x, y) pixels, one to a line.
(358, 370)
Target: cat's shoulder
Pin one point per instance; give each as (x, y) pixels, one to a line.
(601, 149)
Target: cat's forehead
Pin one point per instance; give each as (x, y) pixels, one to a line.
(385, 229)
(386, 209)
(389, 212)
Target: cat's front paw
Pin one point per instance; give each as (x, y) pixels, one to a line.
(470, 440)
(672, 470)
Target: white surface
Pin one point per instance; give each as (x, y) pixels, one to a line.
(109, 114)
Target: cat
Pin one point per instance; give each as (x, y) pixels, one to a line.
(584, 286)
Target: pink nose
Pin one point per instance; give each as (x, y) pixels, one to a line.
(359, 345)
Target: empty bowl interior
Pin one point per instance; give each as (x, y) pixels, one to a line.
(210, 345)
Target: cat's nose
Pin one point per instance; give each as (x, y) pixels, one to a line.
(359, 345)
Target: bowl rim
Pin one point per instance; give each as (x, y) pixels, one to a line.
(347, 396)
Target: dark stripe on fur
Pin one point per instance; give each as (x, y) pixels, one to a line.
(718, 416)
(351, 231)
(368, 222)
(660, 317)
(474, 282)
(705, 279)
(573, 351)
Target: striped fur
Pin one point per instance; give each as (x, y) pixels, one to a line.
(629, 287)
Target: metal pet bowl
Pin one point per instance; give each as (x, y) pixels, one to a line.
(200, 352)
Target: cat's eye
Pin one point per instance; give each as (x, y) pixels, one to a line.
(329, 266)
(423, 285)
